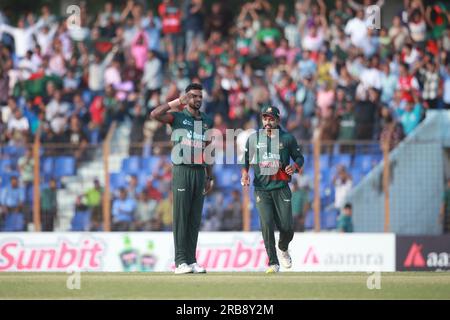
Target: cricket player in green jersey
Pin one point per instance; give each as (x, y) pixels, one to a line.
(269, 152)
(192, 177)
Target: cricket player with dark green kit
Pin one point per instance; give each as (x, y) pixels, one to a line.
(192, 177)
(269, 152)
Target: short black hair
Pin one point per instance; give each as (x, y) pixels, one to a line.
(194, 86)
(348, 206)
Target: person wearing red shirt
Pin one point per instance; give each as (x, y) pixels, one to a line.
(170, 15)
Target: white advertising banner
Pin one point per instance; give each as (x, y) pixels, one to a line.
(217, 251)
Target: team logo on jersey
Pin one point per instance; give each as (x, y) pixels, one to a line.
(187, 122)
(205, 126)
(261, 145)
(258, 199)
(281, 145)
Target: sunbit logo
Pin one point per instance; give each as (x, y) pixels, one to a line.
(311, 257)
(415, 257)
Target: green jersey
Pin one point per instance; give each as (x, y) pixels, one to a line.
(269, 165)
(344, 223)
(191, 140)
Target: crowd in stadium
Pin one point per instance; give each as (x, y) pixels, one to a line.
(320, 65)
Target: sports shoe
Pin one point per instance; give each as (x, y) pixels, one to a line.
(183, 268)
(285, 258)
(274, 268)
(196, 268)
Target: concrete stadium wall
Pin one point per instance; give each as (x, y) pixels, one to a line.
(417, 182)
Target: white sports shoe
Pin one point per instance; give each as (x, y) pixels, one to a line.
(274, 268)
(285, 258)
(196, 268)
(183, 268)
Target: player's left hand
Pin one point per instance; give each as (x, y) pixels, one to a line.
(208, 186)
(289, 170)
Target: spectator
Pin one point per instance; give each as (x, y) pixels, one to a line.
(344, 221)
(164, 213)
(398, 33)
(152, 79)
(410, 116)
(170, 14)
(139, 47)
(445, 74)
(232, 215)
(18, 128)
(444, 217)
(146, 219)
(123, 210)
(391, 132)
(12, 199)
(194, 25)
(49, 206)
(26, 169)
(97, 69)
(56, 113)
(137, 132)
(76, 139)
(342, 182)
(94, 202)
(300, 202)
(22, 35)
(133, 188)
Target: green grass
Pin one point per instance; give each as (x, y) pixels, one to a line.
(302, 285)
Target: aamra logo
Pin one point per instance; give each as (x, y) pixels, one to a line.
(311, 257)
(414, 257)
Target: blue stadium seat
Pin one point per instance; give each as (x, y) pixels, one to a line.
(309, 220)
(131, 165)
(328, 219)
(229, 177)
(324, 161)
(6, 165)
(6, 176)
(376, 158)
(363, 162)
(357, 174)
(81, 221)
(149, 165)
(342, 159)
(13, 151)
(64, 166)
(94, 136)
(14, 222)
(117, 180)
(47, 165)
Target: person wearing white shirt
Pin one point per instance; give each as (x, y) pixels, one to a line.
(56, 112)
(97, 71)
(357, 29)
(152, 80)
(26, 66)
(45, 37)
(17, 123)
(342, 184)
(23, 37)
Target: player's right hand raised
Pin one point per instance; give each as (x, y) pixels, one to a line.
(184, 98)
(245, 180)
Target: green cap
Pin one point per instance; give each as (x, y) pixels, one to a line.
(271, 111)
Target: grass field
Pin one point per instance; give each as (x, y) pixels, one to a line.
(405, 285)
